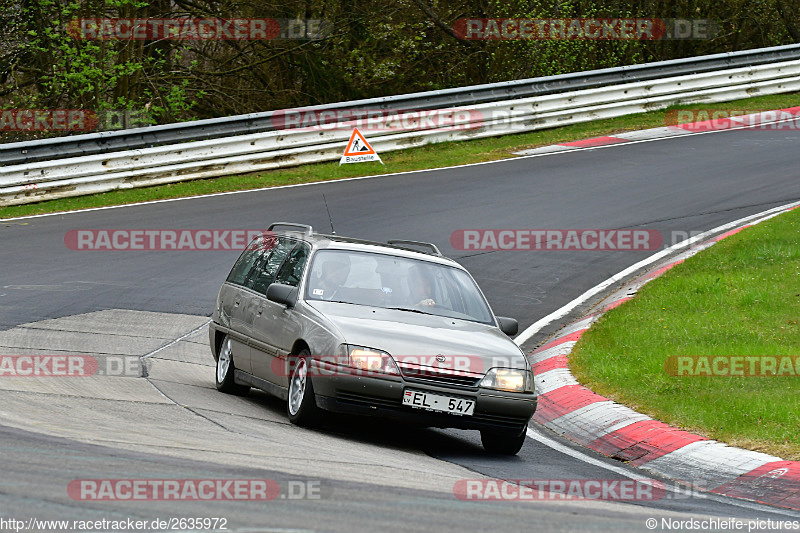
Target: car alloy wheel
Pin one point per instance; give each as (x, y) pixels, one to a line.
(224, 361)
(302, 405)
(297, 387)
(226, 370)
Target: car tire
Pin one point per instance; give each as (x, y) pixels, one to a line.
(503, 443)
(225, 370)
(301, 406)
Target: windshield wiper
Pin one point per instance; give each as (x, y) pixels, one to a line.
(410, 310)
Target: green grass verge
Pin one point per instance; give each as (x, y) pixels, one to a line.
(739, 297)
(430, 156)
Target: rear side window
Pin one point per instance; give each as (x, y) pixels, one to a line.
(292, 269)
(265, 268)
(245, 263)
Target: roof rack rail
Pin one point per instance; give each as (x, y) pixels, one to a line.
(409, 245)
(305, 227)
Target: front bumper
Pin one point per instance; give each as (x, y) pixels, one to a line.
(382, 395)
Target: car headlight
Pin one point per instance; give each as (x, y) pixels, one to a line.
(508, 379)
(368, 359)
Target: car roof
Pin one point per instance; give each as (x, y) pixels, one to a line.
(403, 248)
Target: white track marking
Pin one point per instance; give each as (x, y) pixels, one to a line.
(534, 328)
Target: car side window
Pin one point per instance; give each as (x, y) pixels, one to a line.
(251, 254)
(292, 269)
(265, 268)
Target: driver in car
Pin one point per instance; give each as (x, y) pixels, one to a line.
(334, 273)
(421, 286)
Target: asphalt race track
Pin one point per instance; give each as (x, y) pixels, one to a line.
(174, 425)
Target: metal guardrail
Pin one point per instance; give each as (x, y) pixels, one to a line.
(281, 148)
(107, 142)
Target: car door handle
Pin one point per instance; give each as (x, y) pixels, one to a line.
(236, 303)
(260, 311)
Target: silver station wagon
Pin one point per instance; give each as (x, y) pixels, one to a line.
(392, 329)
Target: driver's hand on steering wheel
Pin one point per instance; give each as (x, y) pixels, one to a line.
(427, 302)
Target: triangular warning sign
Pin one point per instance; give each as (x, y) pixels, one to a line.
(359, 150)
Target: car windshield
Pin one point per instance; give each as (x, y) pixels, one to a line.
(391, 282)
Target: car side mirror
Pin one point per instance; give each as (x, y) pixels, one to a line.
(282, 294)
(509, 326)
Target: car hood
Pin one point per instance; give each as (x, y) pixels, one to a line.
(414, 335)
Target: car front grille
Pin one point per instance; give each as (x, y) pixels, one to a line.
(442, 376)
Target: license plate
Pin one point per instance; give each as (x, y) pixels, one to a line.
(438, 402)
